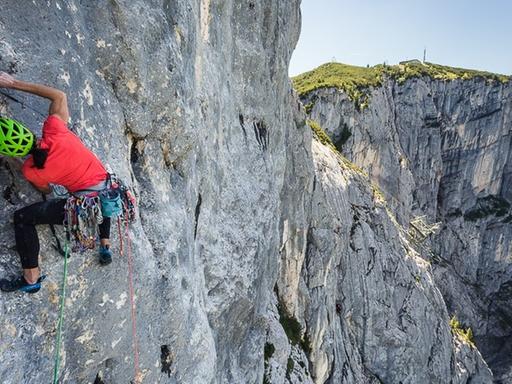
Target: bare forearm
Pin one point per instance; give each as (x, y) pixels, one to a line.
(59, 102)
(38, 89)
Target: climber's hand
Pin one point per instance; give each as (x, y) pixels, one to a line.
(6, 80)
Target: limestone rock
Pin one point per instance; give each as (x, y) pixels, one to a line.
(442, 149)
(250, 233)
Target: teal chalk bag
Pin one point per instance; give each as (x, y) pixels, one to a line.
(111, 204)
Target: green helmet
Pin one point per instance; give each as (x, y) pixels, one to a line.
(15, 139)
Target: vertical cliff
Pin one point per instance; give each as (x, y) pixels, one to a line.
(190, 103)
(260, 254)
(441, 147)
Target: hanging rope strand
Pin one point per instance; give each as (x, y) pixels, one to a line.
(61, 315)
(121, 251)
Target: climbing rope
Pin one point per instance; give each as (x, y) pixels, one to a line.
(129, 215)
(61, 315)
(82, 214)
(133, 310)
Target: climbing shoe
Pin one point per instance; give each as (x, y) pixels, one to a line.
(105, 255)
(20, 284)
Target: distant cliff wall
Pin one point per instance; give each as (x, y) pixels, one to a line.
(443, 149)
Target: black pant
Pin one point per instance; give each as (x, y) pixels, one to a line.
(45, 212)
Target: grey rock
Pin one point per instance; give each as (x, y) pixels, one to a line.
(443, 149)
(368, 302)
(249, 232)
(158, 90)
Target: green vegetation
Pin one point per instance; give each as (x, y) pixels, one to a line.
(289, 367)
(321, 135)
(305, 344)
(293, 330)
(378, 195)
(357, 81)
(454, 213)
(486, 206)
(347, 164)
(291, 326)
(345, 135)
(324, 138)
(465, 335)
(268, 351)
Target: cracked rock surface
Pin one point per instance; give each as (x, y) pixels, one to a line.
(259, 255)
(443, 150)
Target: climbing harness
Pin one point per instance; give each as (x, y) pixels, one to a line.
(61, 316)
(85, 210)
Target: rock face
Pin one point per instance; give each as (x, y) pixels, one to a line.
(368, 301)
(443, 149)
(260, 254)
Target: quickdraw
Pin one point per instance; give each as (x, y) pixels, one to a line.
(129, 211)
(83, 214)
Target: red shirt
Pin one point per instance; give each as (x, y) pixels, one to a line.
(69, 162)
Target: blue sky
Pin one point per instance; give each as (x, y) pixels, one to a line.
(473, 34)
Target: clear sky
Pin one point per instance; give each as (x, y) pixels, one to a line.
(474, 34)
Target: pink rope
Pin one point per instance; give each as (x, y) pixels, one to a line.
(120, 236)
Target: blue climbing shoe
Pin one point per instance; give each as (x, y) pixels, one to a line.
(20, 284)
(105, 255)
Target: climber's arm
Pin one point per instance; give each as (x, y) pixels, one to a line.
(59, 103)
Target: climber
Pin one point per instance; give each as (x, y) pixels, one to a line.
(60, 158)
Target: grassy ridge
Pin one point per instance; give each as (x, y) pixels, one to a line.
(356, 81)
